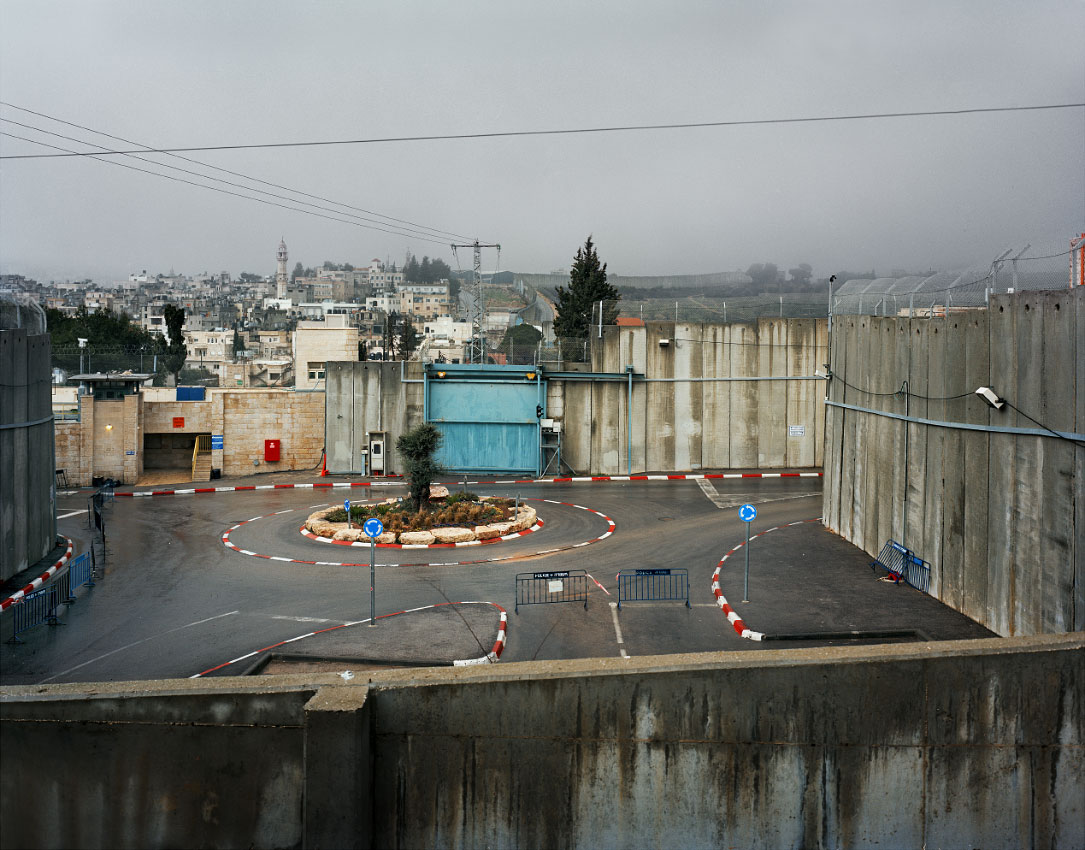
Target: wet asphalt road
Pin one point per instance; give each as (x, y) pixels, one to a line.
(174, 601)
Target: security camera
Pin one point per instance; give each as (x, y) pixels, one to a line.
(991, 397)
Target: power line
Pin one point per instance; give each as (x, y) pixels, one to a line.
(1045, 427)
(411, 230)
(149, 149)
(578, 130)
(226, 191)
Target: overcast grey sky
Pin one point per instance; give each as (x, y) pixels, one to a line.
(914, 193)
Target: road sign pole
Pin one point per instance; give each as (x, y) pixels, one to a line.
(372, 582)
(747, 513)
(373, 528)
(346, 507)
(746, 586)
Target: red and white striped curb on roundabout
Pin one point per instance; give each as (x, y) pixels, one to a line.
(579, 479)
(40, 580)
(229, 544)
(732, 615)
(490, 657)
(307, 533)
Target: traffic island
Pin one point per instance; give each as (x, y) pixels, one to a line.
(489, 518)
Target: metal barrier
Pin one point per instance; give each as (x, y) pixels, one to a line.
(903, 564)
(34, 609)
(655, 585)
(560, 586)
(80, 572)
(202, 446)
(917, 572)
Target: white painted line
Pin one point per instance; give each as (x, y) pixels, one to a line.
(303, 619)
(618, 629)
(136, 643)
(73, 513)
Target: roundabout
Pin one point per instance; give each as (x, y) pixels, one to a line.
(175, 600)
(560, 527)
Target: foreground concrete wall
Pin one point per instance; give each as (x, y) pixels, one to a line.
(972, 743)
(1000, 517)
(27, 525)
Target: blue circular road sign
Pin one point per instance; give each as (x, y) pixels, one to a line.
(373, 527)
(747, 513)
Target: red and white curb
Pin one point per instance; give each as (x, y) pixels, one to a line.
(494, 654)
(229, 544)
(732, 615)
(490, 657)
(579, 479)
(307, 533)
(40, 580)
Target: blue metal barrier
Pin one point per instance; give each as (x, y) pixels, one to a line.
(656, 585)
(917, 572)
(903, 564)
(34, 609)
(80, 572)
(559, 586)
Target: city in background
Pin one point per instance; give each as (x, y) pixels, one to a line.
(253, 330)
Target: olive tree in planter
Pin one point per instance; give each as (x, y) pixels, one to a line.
(417, 448)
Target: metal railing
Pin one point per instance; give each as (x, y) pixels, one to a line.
(557, 586)
(653, 585)
(34, 609)
(902, 564)
(203, 446)
(80, 572)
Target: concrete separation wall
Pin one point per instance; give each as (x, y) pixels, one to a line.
(734, 396)
(971, 743)
(1000, 516)
(726, 396)
(27, 524)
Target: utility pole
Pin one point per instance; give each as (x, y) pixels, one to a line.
(477, 351)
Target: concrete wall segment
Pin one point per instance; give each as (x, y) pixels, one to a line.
(788, 747)
(26, 451)
(999, 517)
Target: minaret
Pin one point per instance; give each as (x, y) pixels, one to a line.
(282, 277)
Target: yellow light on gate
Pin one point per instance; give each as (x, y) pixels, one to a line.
(531, 376)
(440, 374)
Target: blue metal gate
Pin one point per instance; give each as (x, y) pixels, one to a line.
(489, 416)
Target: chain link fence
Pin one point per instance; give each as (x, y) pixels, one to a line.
(937, 293)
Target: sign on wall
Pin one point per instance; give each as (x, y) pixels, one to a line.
(796, 430)
(178, 422)
(216, 442)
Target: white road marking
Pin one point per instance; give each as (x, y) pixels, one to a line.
(303, 619)
(735, 500)
(73, 513)
(136, 643)
(618, 629)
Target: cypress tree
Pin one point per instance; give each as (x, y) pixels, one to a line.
(587, 287)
